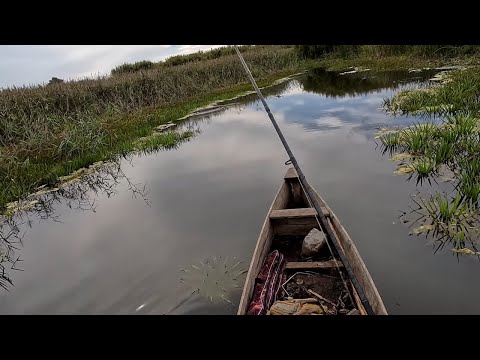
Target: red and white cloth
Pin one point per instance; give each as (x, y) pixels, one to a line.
(268, 284)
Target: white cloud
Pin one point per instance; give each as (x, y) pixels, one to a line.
(330, 121)
(34, 64)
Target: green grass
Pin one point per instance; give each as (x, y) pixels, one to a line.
(131, 68)
(450, 220)
(453, 143)
(177, 60)
(391, 57)
(458, 94)
(48, 132)
(168, 140)
(397, 62)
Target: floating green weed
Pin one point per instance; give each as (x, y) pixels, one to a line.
(215, 278)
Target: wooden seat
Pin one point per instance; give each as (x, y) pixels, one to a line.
(313, 264)
(296, 213)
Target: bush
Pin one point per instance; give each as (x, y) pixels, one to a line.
(178, 60)
(55, 80)
(131, 68)
(313, 51)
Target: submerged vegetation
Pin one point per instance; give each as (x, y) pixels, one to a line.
(215, 279)
(445, 147)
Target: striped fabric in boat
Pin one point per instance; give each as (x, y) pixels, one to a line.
(268, 284)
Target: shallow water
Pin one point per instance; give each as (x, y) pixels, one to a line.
(209, 197)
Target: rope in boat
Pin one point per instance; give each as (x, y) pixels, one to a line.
(309, 192)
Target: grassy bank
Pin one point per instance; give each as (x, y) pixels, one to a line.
(49, 131)
(443, 151)
(391, 57)
(392, 62)
(457, 91)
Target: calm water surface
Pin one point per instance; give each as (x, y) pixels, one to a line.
(208, 198)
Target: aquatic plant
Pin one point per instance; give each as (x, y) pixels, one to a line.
(452, 145)
(457, 92)
(10, 240)
(443, 152)
(418, 138)
(447, 220)
(424, 168)
(391, 140)
(466, 251)
(216, 279)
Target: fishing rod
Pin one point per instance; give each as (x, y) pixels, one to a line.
(311, 197)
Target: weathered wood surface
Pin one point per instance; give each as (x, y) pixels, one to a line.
(358, 267)
(295, 229)
(296, 213)
(300, 225)
(291, 174)
(321, 297)
(261, 249)
(293, 265)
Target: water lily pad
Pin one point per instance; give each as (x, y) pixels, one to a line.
(401, 156)
(466, 251)
(406, 169)
(422, 229)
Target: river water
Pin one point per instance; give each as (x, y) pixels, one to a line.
(207, 199)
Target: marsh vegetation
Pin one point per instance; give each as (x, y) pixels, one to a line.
(445, 146)
(126, 256)
(49, 131)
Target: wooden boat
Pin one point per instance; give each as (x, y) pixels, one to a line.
(289, 219)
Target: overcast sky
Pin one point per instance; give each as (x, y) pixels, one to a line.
(34, 64)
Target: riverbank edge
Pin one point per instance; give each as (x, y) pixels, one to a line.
(156, 136)
(394, 62)
(147, 136)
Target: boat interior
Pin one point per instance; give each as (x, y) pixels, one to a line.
(313, 281)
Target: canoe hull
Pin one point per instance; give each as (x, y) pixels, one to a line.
(299, 222)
